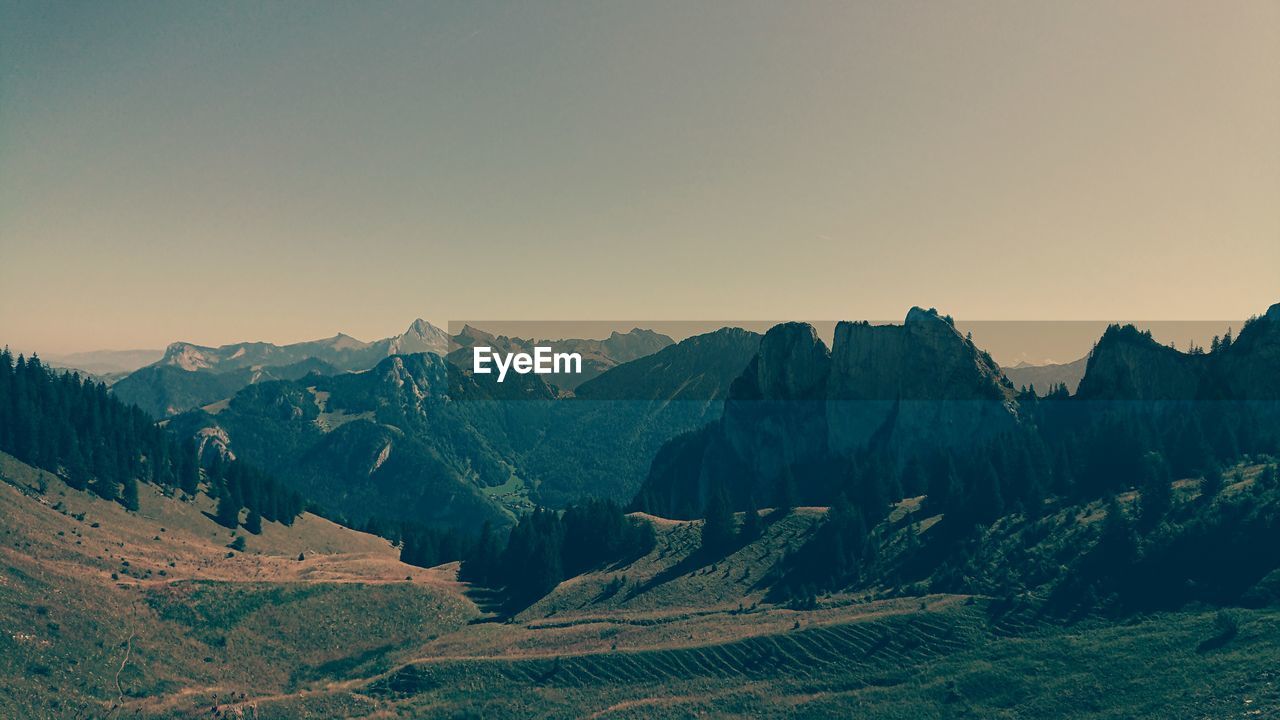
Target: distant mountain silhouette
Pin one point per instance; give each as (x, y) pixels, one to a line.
(190, 376)
(105, 362)
(1044, 377)
(598, 356)
(601, 441)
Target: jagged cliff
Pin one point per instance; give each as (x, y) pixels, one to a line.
(799, 410)
(774, 417)
(1250, 368)
(920, 384)
(1129, 365)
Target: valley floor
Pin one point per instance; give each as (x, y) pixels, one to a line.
(105, 613)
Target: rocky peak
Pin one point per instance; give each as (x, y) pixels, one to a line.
(422, 328)
(186, 356)
(471, 335)
(414, 377)
(421, 336)
(922, 381)
(1128, 364)
(792, 363)
(639, 342)
(928, 318)
(343, 341)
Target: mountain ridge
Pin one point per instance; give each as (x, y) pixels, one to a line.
(189, 376)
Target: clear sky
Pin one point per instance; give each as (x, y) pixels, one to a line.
(216, 172)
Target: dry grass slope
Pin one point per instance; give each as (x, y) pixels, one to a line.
(148, 611)
(100, 606)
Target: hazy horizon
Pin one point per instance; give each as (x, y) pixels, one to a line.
(224, 172)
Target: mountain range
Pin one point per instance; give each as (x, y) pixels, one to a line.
(1045, 377)
(931, 539)
(418, 438)
(189, 376)
(105, 362)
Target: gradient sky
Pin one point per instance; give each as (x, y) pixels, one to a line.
(216, 172)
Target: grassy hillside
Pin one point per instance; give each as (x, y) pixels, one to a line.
(151, 611)
(673, 641)
(99, 605)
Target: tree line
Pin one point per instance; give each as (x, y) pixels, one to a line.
(73, 427)
(238, 485)
(542, 549)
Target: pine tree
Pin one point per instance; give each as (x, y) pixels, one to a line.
(228, 512)
(785, 497)
(129, 499)
(944, 487)
(1212, 484)
(1117, 546)
(751, 526)
(77, 471)
(717, 527)
(105, 487)
(1270, 476)
(188, 469)
(481, 566)
(987, 501)
(1157, 491)
(253, 523)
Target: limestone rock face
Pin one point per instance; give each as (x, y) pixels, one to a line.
(774, 417)
(1128, 365)
(1234, 389)
(798, 409)
(793, 363)
(1250, 368)
(921, 383)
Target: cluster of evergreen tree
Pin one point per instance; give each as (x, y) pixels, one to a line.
(837, 555)
(238, 485)
(1153, 554)
(721, 532)
(425, 546)
(547, 546)
(72, 427)
(1065, 451)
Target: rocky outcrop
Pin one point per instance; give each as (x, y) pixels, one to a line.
(1250, 368)
(799, 411)
(1129, 365)
(920, 384)
(774, 417)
